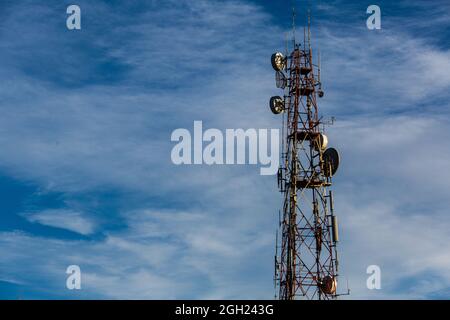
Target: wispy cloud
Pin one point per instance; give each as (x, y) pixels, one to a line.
(64, 219)
(163, 254)
(79, 141)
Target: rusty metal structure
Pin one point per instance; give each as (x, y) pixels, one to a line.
(306, 260)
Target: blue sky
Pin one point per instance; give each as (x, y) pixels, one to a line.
(85, 123)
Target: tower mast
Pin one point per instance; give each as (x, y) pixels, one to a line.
(306, 266)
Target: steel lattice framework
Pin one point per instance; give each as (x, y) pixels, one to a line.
(306, 262)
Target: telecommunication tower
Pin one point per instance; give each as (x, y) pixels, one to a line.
(306, 260)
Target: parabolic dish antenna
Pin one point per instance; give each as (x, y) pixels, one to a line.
(321, 142)
(276, 104)
(278, 61)
(331, 161)
(328, 285)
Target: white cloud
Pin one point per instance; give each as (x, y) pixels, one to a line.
(391, 197)
(386, 73)
(405, 246)
(63, 219)
(191, 257)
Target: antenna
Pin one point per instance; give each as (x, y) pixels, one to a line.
(320, 92)
(309, 29)
(293, 20)
(286, 43)
(318, 68)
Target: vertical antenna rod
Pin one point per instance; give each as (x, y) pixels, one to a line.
(293, 20)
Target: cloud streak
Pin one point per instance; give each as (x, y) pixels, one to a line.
(64, 219)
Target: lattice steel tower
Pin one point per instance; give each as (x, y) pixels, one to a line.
(306, 261)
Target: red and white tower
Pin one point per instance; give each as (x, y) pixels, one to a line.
(306, 262)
